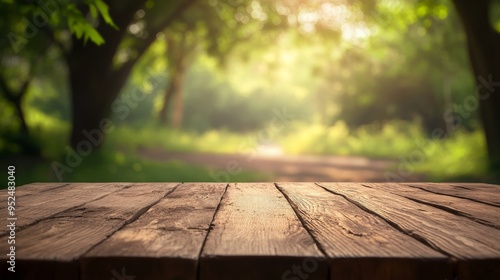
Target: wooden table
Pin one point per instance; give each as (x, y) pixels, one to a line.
(291, 231)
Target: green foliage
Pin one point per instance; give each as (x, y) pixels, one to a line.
(375, 140)
(81, 27)
(348, 78)
(31, 56)
(239, 107)
(444, 158)
(24, 20)
(154, 136)
(110, 166)
(462, 156)
(99, 7)
(119, 159)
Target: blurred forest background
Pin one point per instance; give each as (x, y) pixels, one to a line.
(250, 90)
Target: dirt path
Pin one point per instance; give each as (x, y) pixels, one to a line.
(290, 168)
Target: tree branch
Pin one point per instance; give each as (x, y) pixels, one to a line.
(5, 89)
(124, 70)
(122, 16)
(49, 32)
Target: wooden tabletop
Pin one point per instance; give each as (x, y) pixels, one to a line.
(125, 231)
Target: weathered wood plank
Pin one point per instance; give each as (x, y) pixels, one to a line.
(483, 186)
(361, 245)
(33, 208)
(52, 246)
(479, 212)
(458, 236)
(35, 188)
(164, 243)
(256, 235)
(29, 189)
(479, 194)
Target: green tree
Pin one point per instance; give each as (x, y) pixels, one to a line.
(97, 76)
(24, 45)
(121, 31)
(483, 42)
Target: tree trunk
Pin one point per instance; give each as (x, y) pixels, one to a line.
(96, 82)
(90, 107)
(484, 52)
(20, 113)
(24, 139)
(16, 98)
(94, 86)
(179, 54)
(167, 98)
(178, 106)
(174, 90)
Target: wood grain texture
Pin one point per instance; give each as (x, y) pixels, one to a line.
(165, 242)
(484, 186)
(29, 189)
(33, 208)
(52, 246)
(36, 188)
(479, 193)
(479, 212)
(361, 245)
(457, 236)
(255, 231)
(256, 235)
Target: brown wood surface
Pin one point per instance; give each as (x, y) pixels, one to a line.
(479, 212)
(29, 189)
(255, 231)
(33, 208)
(454, 235)
(164, 243)
(53, 246)
(480, 193)
(483, 186)
(255, 227)
(362, 245)
(35, 188)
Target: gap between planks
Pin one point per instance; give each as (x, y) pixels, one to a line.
(31, 209)
(465, 268)
(29, 189)
(482, 213)
(256, 227)
(359, 244)
(73, 232)
(475, 248)
(478, 193)
(165, 242)
(301, 219)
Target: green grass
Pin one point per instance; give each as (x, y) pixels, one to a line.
(215, 141)
(118, 160)
(461, 157)
(118, 167)
(124, 167)
(388, 141)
